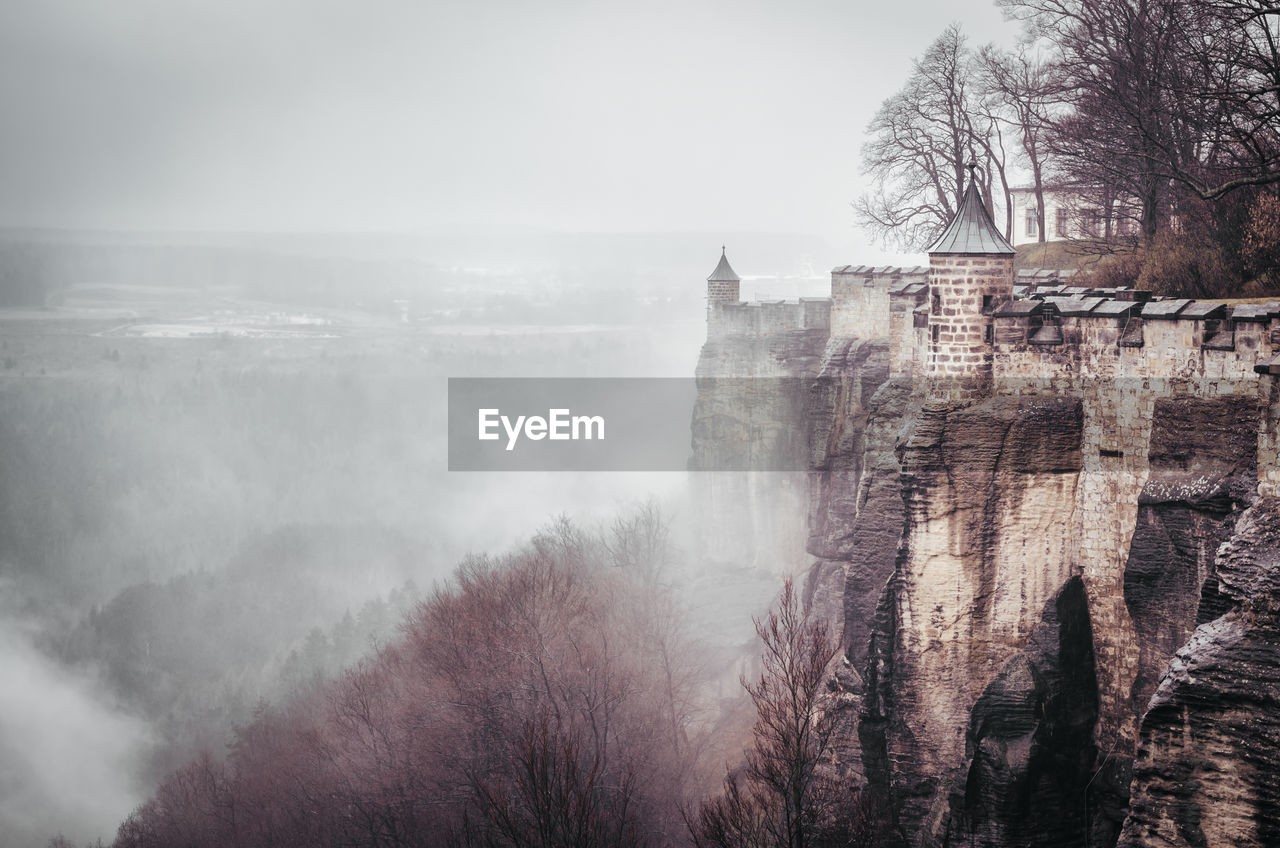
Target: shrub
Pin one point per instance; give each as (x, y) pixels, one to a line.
(1260, 245)
(1115, 271)
(1182, 265)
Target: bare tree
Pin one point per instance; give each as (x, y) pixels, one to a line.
(542, 698)
(920, 142)
(1120, 63)
(640, 541)
(1020, 90)
(558, 793)
(1240, 40)
(780, 797)
(1169, 101)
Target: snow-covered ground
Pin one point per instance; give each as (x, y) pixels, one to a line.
(275, 326)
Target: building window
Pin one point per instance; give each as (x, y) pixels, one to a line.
(987, 303)
(1032, 228)
(1060, 222)
(1092, 223)
(937, 303)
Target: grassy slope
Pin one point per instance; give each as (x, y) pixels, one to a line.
(1058, 255)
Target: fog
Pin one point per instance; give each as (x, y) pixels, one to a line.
(243, 246)
(223, 474)
(68, 754)
(564, 116)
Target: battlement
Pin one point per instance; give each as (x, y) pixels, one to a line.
(857, 306)
(1060, 341)
(768, 317)
(1052, 335)
(860, 296)
(1046, 333)
(970, 318)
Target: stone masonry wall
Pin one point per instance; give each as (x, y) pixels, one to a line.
(770, 318)
(905, 339)
(1171, 351)
(963, 291)
(722, 291)
(860, 299)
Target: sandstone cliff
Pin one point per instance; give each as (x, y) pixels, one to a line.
(855, 517)
(1014, 578)
(1207, 771)
(1042, 585)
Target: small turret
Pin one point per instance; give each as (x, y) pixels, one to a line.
(722, 285)
(970, 271)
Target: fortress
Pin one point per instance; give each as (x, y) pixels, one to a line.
(1032, 509)
(968, 327)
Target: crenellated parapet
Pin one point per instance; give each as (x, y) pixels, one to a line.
(961, 317)
(1056, 342)
(860, 306)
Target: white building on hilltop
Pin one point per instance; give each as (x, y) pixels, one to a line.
(1069, 213)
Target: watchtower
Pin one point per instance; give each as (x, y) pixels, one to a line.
(970, 271)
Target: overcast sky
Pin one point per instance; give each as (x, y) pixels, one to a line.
(305, 115)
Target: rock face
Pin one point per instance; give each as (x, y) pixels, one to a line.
(1028, 747)
(1046, 641)
(1048, 570)
(855, 517)
(984, 488)
(1203, 462)
(1207, 771)
(750, 414)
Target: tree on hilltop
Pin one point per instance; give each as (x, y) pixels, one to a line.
(1170, 120)
(919, 145)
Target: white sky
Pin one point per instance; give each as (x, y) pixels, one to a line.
(559, 115)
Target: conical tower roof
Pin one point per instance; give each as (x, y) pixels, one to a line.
(723, 273)
(971, 230)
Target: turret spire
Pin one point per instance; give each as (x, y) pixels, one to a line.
(971, 230)
(723, 272)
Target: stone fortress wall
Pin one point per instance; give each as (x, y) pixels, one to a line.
(1047, 335)
(770, 317)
